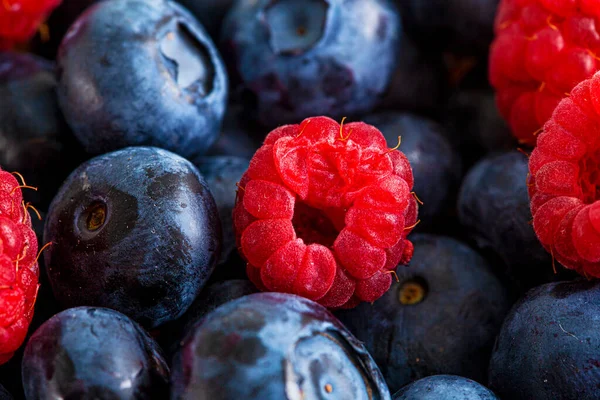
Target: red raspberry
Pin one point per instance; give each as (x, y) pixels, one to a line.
(565, 181)
(323, 212)
(543, 48)
(18, 267)
(20, 19)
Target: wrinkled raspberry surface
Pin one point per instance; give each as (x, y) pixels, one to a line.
(18, 267)
(542, 49)
(323, 212)
(20, 19)
(564, 183)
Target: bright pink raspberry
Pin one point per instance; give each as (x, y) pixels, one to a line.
(542, 49)
(323, 212)
(565, 181)
(20, 19)
(18, 267)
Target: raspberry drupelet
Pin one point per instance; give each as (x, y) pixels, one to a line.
(564, 182)
(323, 212)
(20, 19)
(542, 49)
(19, 270)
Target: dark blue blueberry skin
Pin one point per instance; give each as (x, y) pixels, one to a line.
(209, 12)
(435, 163)
(451, 330)
(35, 139)
(137, 231)
(548, 346)
(93, 353)
(274, 346)
(462, 26)
(419, 83)
(210, 298)
(474, 124)
(299, 58)
(4, 395)
(156, 80)
(222, 173)
(444, 387)
(493, 206)
(240, 137)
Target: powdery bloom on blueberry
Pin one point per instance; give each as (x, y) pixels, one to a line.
(324, 211)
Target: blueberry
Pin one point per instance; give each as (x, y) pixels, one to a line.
(419, 83)
(435, 163)
(463, 26)
(136, 230)
(475, 125)
(493, 205)
(209, 12)
(274, 346)
(35, 139)
(548, 346)
(210, 298)
(222, 173)
(444, 387)
(4, 395)
(299, 58)
(440, 318)
(93, 353)
(155, 80)
(239, 137)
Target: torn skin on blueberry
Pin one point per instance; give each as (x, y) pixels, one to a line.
(274, 346)
(166, 86)
(297, 58)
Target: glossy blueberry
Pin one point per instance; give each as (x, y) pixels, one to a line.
(444, 387)
(156, 80)
(35, 140)
(222, 173)
(137, 231)
(548, 346)
(299, 58)
(209, 12)
(274, 346)
(463, 26)
(4, 395)
(493, 206)
(435, 163)
(440, 318)
(93, 353)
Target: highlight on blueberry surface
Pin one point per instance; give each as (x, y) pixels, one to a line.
(444, 387)
(324, 211)
(19, 269)
(542, 49)
(564, 181)
(274, 346)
